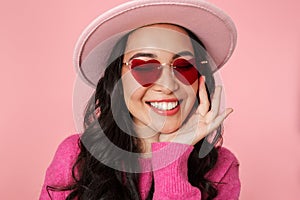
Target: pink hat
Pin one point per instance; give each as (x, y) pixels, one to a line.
(211, 25)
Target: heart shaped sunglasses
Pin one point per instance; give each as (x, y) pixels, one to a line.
(147, 72)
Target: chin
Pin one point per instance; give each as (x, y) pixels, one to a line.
(169, 130)
(166, 126)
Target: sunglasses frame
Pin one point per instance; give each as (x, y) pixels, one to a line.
(161, 65)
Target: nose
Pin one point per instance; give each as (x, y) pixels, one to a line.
(166, 82)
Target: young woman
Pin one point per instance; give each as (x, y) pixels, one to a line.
(154, 105)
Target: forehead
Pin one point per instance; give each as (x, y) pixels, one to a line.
(164, 37)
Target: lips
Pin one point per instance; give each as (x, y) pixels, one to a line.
(165, 107)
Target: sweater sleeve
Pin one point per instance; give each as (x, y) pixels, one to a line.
(59, 172)
(169, 162)
(226, 175)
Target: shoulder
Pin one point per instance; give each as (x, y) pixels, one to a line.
(68, 146)
(59, 172)
(60, 169)
(226, 165)
(225, 155)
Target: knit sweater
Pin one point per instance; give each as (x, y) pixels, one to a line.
(170, 172)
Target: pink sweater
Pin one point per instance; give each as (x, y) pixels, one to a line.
(171, 181)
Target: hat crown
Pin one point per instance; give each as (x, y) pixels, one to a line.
(210, 24)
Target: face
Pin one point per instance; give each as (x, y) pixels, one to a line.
(159, 82)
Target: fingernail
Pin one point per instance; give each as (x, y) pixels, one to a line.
(230, 110)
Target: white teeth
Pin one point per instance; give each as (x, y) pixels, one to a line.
(164, 105)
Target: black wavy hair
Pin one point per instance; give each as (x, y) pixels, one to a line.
(94, 178)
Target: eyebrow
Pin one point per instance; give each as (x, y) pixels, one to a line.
(151, 55)
(183, 53)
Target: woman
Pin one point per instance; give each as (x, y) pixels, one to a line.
(154, 105)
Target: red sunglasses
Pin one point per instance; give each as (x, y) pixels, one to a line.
(147, 72)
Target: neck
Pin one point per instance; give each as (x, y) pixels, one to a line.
(146, 136)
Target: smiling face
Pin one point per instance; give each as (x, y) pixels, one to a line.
(161, 98)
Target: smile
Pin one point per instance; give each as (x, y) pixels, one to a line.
(164, 105)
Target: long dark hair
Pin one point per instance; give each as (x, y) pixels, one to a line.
(94, 178)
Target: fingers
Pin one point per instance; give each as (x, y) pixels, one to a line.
(212, 118)
(204, 102)
(205, 120)
(215, 106)
(218, 120)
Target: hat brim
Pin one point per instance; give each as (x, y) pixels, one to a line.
(211, 25)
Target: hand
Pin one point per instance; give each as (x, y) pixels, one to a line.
(203, 121)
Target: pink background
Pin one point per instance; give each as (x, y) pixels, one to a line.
(261, 80)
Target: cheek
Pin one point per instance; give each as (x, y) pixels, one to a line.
(192, 91)
(133, 91)
(191, 94)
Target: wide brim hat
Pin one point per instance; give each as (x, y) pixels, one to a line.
(210, 24)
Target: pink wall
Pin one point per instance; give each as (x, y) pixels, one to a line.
(261, 80)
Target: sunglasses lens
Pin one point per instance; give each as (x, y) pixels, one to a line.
(145, 72)
(185, 70)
